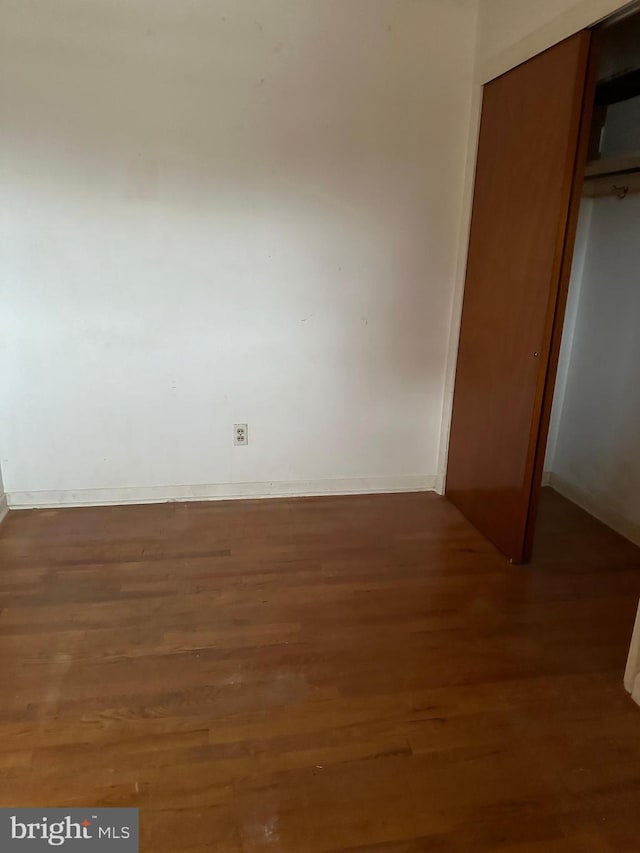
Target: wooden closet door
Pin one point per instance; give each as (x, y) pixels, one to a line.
(522, 230)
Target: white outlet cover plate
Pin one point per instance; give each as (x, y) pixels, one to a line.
(240, 434)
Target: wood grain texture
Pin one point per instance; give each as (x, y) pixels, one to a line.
(324, 674)
(526, 158)
(557, 309)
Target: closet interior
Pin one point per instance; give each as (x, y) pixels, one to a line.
(593, 448)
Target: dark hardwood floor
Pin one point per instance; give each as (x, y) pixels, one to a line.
(325, 674)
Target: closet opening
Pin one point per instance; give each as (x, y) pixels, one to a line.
(593, 447)
(540, 397)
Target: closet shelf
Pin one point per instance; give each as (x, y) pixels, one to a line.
(614, 166)
(618, 177)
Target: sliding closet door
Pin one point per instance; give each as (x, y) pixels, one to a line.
(521, 231)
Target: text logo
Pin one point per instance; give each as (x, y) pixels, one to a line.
(37, 830)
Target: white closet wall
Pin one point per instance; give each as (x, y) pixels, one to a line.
(568, 331)
(594, 443)
(3, 500)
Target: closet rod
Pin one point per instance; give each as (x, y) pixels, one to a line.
(616, 177)
(620, 185)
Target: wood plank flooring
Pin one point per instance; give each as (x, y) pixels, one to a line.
(325, 674)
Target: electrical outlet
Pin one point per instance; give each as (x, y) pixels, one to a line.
(240, 434)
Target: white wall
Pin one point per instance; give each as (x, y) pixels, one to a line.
(568, 330)
(621, 137)
(596, 458)
(3, 500)
(229, 211)
(511, 31)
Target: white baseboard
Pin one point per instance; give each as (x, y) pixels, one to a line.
(594, 506)
(546, 478)
(4, 508)
(220, 491)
